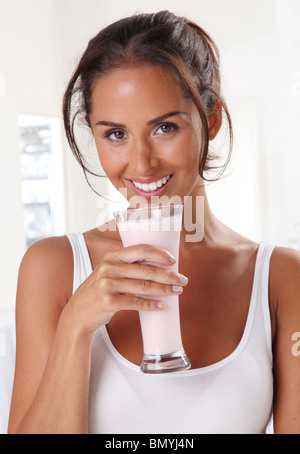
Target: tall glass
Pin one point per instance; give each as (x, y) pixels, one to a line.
(159, 226)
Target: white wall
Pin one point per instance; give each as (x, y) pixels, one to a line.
(288, 113)
(40, 43)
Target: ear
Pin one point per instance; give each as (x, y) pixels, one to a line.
(215, 120)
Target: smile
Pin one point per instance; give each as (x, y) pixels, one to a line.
(153, 188)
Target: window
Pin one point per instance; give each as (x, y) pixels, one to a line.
(42, 177)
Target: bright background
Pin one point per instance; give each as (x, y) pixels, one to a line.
(259, 42)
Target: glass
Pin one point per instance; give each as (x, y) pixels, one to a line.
(159, 226)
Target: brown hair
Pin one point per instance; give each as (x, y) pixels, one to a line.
(158, 39)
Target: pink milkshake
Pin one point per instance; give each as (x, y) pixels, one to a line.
(158, 226)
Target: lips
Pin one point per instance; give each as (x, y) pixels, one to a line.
(150, 193)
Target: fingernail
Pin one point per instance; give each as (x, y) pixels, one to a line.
(172, 258)
(161, 305)
(182, 278)
(177, 288)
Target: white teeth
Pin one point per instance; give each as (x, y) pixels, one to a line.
(152, 186)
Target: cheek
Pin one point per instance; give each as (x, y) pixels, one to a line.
(110, 165)
(110, 160)
(188, 152)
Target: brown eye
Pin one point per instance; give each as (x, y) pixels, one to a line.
(119, 134)
(166, 128)
(115, 135)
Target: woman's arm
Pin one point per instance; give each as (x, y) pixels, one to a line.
(55, 329)
(285, 288)
(52, 363)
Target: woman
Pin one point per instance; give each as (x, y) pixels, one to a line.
(149, 89)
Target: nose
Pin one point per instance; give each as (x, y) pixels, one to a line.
(143, 156)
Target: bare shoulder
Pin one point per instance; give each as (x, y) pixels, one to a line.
(285, 276)
(47, 266)
(54, 247)
(44, 286)
(283, 256)
(285, 288)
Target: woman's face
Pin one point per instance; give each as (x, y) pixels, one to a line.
(146, 132)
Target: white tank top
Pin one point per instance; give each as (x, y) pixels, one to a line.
(232, 396)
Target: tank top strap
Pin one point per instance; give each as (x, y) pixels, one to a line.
(81, 259)
(261, 290)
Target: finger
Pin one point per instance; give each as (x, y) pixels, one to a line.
(144, 252)
(136, 303)
(141, 271)
(145, 287)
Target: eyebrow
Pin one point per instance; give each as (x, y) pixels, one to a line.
(150, 122)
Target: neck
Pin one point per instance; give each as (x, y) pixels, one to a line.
(199, 225)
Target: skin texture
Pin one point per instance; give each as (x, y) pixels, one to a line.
(55, 328)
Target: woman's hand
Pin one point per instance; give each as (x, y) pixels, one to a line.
(117, 281)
